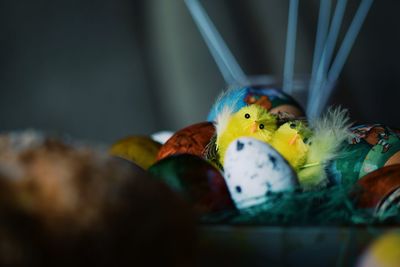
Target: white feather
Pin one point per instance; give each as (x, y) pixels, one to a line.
(222, 119)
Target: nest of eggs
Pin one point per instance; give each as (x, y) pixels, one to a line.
(362, 186)
(180, 163)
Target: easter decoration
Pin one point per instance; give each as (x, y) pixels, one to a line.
(271, 99)
(380, 191)
(200, 183)
(260, 158)
(370, 148)
(189, 140)
(319, 149)
(162, 136)
(306, 150)
(252, 121)
(254, 170)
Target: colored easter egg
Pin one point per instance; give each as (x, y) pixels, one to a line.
(162, 137)
(371, 147)
(380, 190)
(190, 140)
(196, 180)
(141, 150)
(383, 252)
(253, 169)
(274, 100)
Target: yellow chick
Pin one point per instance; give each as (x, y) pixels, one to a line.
(309, 151)
(290, 140)
(250, 121)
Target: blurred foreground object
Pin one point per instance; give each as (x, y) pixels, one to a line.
(64, 205)
(384, 252)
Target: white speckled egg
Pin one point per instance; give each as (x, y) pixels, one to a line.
(253, 169)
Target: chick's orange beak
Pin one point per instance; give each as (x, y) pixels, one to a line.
(294, 138)
(253, 127)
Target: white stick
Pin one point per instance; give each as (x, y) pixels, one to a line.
(290, 47)
(227, 64)
(344, 51)
(326, 58)
(322, 31)
(349, 39)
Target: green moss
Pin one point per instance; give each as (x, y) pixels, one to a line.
(333, 206)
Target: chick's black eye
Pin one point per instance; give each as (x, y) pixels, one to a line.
(261, 126)
(247, 115)
(292, 125)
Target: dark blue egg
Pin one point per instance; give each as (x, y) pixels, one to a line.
(274, 100)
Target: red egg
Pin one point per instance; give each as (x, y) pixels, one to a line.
(190, 140)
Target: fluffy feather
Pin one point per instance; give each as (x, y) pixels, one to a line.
(222, 119)
(232, 99)
(329, 133)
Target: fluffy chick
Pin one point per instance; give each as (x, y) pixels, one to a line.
(309, 150)
(251, 121)
(290, 140)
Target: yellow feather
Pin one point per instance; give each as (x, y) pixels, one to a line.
(329, 133)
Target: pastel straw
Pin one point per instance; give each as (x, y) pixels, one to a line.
(349, 39)
(227, 64)
(344, 51)
(327, 54)
(288, 71)
(322, 31)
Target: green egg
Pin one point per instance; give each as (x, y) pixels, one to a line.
(196, 180)
(371, 147)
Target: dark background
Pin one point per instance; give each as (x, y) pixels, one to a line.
(100, 70)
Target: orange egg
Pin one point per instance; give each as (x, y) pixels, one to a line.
(190, 140)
